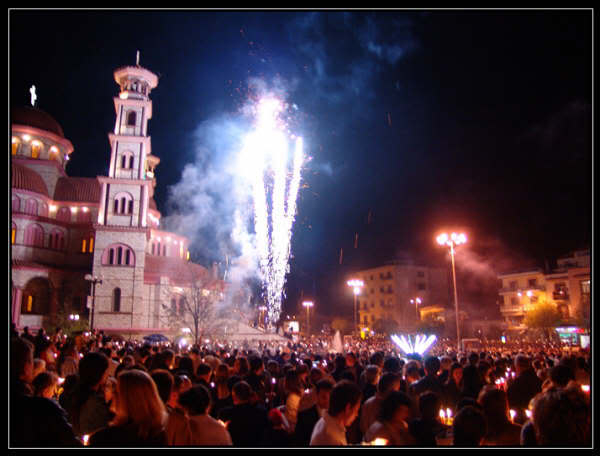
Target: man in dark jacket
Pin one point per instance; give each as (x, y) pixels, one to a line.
(309, 417)
(430, 382)
(245, 422)
(34, 421)
(525, 386)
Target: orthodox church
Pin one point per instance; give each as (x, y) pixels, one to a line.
(94, 246)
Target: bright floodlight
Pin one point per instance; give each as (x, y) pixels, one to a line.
(307, 304)
(421, 344)
(453, 238)
(356, 284)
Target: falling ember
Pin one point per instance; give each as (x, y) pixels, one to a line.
(266, 159)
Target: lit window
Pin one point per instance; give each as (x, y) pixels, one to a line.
(36, 147)
(15, 146)
(83, 245)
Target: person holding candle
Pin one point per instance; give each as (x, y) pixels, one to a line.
(392, 421)
(430, 423)
(500, 430)
(524, 387)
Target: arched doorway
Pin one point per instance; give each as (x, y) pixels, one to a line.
(36, 297)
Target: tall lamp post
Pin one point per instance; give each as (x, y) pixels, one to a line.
(94, 280)
(356, 285)
(308, 305)
(416, 302)
(452, 241)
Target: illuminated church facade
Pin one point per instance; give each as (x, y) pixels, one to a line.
(78, 243)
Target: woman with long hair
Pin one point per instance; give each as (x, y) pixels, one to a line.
(86, 404)
(141, 416)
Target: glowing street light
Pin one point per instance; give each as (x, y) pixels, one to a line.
(356, 285)
(452, 241)
(416, 302)
(308, 305)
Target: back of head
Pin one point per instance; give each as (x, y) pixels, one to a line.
(522, 362)
(256, 363)
(562, 417)
(242, 392)
(473, 358)
(186, 364)
(344, 393)
(469, 427)
(196, 400)
(494, 403)
(92, 368)
(21, 354)
(371, 373)
(432, 365)
(138, 402)
(163, 380)
(561, 375)
(203, 369)
(387, 382)
(324, 384)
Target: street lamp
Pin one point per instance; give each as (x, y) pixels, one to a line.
(94, 280)
(452, 241)
(356, 285)
(308, 305)
(416, 302)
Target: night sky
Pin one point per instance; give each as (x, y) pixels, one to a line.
(426, 120)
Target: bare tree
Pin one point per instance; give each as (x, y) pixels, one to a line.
(194, 304)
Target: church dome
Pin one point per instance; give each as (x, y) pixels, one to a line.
(33, 117)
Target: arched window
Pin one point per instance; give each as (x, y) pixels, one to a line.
(131, 162)
(116, 301)
(36, 147)
(15, 146)
(31, 207)
(43, 210)
(123, 203)
(118, 255)
(57, 240)
(131, 118)
(34, 235)
(36, 297)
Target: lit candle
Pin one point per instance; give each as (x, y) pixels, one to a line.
(585, 388)
(379, 442)
(60, 380)
(273, 380)
(86, 438)
(443, 416)
(212, 384)
(512, 415)
(528, 413)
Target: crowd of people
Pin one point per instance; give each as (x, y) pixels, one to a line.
(96, 391)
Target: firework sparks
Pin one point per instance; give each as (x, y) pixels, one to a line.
(266, 160)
